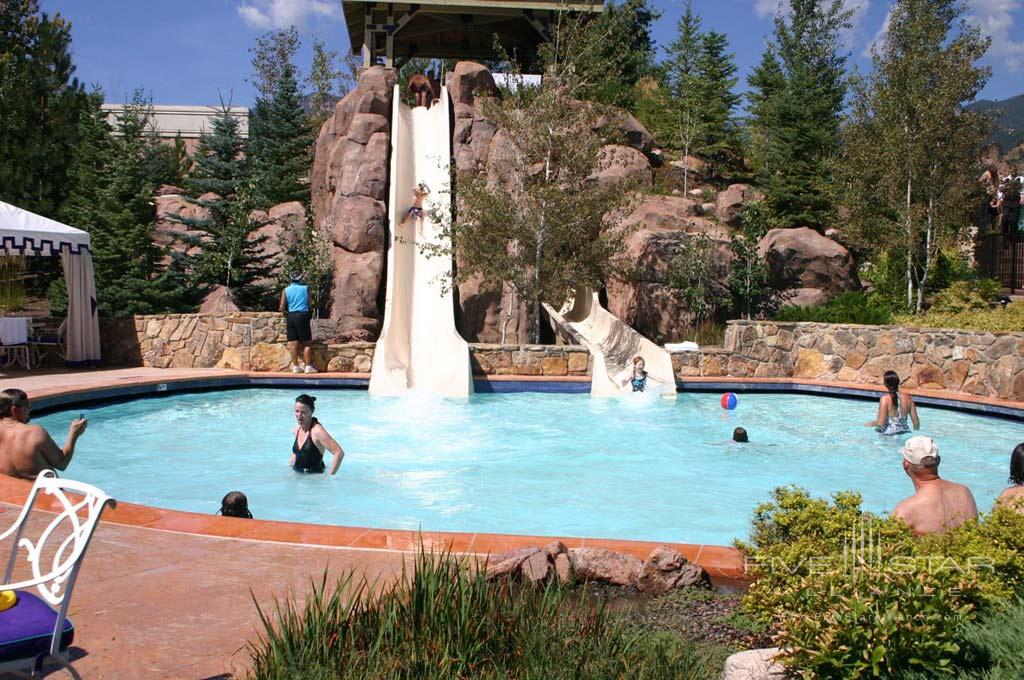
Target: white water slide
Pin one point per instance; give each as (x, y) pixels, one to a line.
(419, 347)
(613, 344)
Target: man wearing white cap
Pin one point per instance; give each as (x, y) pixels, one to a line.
(937, 505)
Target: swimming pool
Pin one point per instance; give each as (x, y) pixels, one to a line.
(528, 463)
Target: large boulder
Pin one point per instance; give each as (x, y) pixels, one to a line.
(660, 227)
(631, 131)
(666, 570)
(218, 301)
(617, 164)
(348, 186)
(813, 267)
(283, 226)
(601, 564)
(732, 201)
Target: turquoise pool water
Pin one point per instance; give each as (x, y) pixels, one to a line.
(547, 464)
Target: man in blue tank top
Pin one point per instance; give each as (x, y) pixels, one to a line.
(295, 305)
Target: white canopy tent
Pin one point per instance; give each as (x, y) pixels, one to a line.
(25, 233)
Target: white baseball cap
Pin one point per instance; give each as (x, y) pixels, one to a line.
(918, 448)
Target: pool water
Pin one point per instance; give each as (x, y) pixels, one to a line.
(549, 464)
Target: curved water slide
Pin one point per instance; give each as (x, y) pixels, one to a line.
(613, 344)
(419, 347)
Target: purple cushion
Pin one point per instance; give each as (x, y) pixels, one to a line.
(26, 628)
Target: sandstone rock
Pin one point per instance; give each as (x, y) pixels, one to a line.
(169, 190)
(536, 568)
(632, 130)
(269, 357)
(730, 203)
(563, 569)
(803, 258)
(468, 80)
(231, 357)
(285, 225)
(359, 225)
(690, 164)
(601, 564)
(507, 564)
(810, 363)
(617, 164)
(555, 548)
(365, 125)
(666, 570)
(929, 377)
(218, 301)
(753, 664)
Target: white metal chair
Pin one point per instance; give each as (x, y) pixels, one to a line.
(42, 346)
(36, 627)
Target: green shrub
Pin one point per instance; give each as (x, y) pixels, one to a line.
(845, 589)
(964, 296)
(444, 621)
(995, 642)
(850, 307)
(987, 319)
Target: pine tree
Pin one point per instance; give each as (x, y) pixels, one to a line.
(805, 140)
(766, 81)
(282, 145)
(40, 103)
(716, 78)
(230, 249)
(617, 52)
(911, 148)
(112, 198)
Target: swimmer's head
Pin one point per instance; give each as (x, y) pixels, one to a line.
(891, 380)
(421, 189)
(14, 404)
(1017, 465)
(638, 362)
(740, 435)
(235, 504)
(304, 407)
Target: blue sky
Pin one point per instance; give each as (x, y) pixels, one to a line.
(194, 51)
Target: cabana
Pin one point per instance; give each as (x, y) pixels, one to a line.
(25, 233)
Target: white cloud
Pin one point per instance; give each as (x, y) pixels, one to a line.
(880, 36)
(267, 14)
(858, 9)
(995, 18)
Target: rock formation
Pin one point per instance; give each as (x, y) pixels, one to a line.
(349, 188)
(661, 226)
(813, 267)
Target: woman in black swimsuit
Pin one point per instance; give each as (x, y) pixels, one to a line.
(311, 439)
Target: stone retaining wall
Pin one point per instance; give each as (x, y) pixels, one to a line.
(256, 342)
(978, 363)
(975, 362)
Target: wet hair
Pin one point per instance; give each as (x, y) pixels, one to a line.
(740, 435)
(422, 188)
(9, 398)
(1017, 465)
(235, 504)
(306, 400)
(892, 383)
(638, 359)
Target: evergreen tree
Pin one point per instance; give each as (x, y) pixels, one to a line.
(766, 81)
(40, 103)
(805, 140)
(282, 145)
(716, 78)
(229, 247)
(911, 148)
(617, 51)
(112, 198)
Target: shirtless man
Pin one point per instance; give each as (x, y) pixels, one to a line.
(937, 505)
(26, 450)
(422, 92)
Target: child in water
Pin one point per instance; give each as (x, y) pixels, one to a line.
(639, 380)
(419, 192)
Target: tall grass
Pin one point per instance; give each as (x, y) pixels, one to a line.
(445, 621)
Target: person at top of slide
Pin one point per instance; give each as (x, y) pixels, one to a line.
(295, 305)
(894, 408)
(419, 194)
(639, 379)
(308, 454)
(421, 90)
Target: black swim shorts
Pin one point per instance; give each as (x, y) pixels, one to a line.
(298, 327)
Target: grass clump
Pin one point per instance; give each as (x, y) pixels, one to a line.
(444, 620)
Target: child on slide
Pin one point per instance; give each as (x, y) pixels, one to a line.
(419, 192)
(639, 380)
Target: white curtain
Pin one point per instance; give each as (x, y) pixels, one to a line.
(82, 335)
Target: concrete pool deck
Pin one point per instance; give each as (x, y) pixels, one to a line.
(136, 605)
